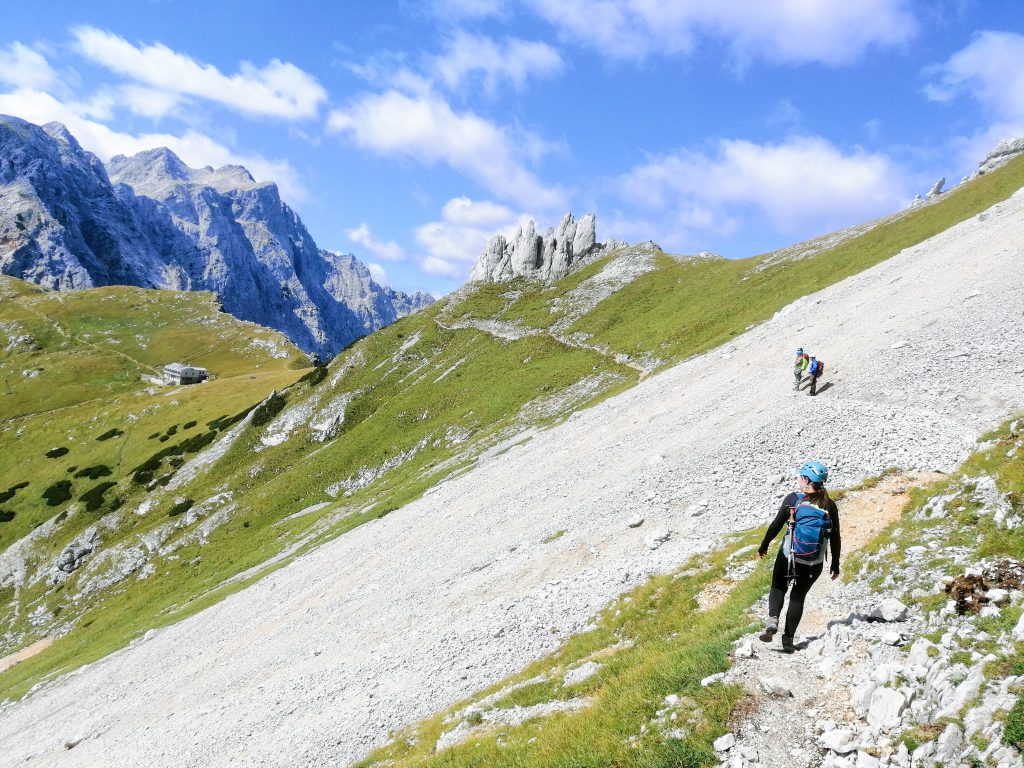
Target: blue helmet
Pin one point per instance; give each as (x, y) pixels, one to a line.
(814, 471)
(800, 351)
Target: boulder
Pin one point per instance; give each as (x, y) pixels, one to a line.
(889, 609)
(840, 740)
(777, 687)
(725, 743)
(886, 707)
(948, 745)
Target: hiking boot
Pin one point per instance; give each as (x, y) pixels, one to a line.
(787, 644)
(769, 630)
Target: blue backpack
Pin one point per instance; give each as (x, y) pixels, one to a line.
(807, 538)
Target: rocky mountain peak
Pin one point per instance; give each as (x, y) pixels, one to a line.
(540, 257)
(60, 132)
(158, 172)
(160, 163)
(150, 220)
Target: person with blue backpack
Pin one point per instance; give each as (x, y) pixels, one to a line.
(814, 370)
(811, 520)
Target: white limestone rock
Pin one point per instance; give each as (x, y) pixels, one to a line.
(841, 740)
(885, 709)
(544, 257)
(725, 743)
(889, 609)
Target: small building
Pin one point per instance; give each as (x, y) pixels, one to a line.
(181, 373)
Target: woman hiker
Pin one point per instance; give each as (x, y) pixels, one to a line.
(812, 522)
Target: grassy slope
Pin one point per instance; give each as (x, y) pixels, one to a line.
(688, 306)
(654, 641)
(422, 400)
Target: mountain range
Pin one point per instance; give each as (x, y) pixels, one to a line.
(68, 222)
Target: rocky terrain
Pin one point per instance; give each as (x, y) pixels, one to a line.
(867, 687)
(67, 222)
(315, 664)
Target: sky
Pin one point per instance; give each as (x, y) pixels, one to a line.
(408, 133)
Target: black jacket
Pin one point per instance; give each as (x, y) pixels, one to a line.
(835, 542)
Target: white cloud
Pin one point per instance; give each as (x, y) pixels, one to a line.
(22, 67)
(379, 275)
(194, 148)
(148, 102)
(795, 31)
(424, 128)
(467, 56)
(453, 244)
(389, 251)
(802, 187)
(279, 89)
(990, 70)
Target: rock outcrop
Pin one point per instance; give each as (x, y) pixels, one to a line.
(539, 257)
(154, 222)
(1001, 154)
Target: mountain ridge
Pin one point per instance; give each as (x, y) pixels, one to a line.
(69, 222)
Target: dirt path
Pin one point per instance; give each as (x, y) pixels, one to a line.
(863, 515)
(27, 652)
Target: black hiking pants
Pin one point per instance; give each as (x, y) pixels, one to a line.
(814, 383)
(806, 575)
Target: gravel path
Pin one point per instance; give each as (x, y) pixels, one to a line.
(314, 664)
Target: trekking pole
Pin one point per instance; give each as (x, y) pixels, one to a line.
(791, 525)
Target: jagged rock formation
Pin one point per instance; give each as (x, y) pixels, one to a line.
(1001, 154)
(156, 223)
(540, 257)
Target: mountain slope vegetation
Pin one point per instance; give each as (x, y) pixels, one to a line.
(183, 521)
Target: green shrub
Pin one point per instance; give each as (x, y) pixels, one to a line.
(268, 409)
(55, 453)
(173, 430)
(315, 376)
(9, 493)
(93, 498)
(142, 476)
(115, 432)
(1014, 733)
(188, 425)
(182, 506)
(198, 442)
(6, 515)
(94, 473)
(58, 493)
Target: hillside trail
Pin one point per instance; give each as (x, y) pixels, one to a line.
(512, 332)
(772, 730)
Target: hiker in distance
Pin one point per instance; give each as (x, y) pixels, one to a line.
(815, 369)
(799, 366)
(811, 519)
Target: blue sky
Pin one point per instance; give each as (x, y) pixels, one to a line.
(409, 132)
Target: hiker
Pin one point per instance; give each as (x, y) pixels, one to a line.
(815, 369)
(812, 522)
(799, 366)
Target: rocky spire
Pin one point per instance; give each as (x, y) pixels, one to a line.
(541, 257)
